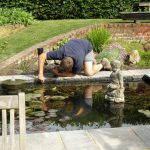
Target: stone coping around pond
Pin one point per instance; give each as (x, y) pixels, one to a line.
(102, 76)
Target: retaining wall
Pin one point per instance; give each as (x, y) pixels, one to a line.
(124, 31)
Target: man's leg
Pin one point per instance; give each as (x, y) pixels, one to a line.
(90, 65)
(91, 69)
(41, 62)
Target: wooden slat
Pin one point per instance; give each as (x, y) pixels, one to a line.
(12, 102)
(22, 122)
(7, 102)
(144, 4)
(12, 128)
(4, 129)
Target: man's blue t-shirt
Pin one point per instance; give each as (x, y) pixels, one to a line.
(76, 49)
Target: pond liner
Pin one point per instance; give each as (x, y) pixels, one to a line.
(146, 79)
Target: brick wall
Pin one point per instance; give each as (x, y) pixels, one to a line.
(124, 31)
(130, 31)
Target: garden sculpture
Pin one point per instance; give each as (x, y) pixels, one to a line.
(115, 90)
(134, 57)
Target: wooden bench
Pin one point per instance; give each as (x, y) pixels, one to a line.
(137, 15)
(8, 103)
(145, 4)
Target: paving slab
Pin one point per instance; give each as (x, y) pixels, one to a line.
(28, 78)
(139, 71)
(123, 138)
(77, 140)
(126, 73)
(117, 139)
(46, 141)
(40, 141)
(102, 76)
(143, 132)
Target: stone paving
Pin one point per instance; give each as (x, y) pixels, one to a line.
(124, 138)
(102, 76)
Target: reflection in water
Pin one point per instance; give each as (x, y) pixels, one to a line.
(115, 114)
(82, 104)
(53, 108)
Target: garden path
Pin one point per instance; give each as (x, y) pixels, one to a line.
(124, 138)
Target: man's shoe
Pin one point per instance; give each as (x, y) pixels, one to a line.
(40, 51)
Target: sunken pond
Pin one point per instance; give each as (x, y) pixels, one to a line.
(51, 107)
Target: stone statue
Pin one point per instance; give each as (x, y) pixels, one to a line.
(115, 90)
(134, 57)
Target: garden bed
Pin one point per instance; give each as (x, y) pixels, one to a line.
(26, 62)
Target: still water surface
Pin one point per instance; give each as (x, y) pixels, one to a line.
(68, 107)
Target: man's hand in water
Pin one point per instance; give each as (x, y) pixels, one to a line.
(41, 78)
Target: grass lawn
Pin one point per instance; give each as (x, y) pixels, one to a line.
(40, 31)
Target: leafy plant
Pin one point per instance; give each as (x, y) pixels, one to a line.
(98, 37)
(145, 59)
(129, 46)
(61, 43)
(24, 66)
(15, 16)
(113, 51)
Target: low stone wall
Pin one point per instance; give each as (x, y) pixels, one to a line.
(125, 31)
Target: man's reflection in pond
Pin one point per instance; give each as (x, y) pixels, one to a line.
(81, 104)
(115, 114)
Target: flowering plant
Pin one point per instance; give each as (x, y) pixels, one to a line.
(113, 51)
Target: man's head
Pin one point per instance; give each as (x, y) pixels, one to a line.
(66, 64)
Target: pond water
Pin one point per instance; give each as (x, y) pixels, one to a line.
(75, 107)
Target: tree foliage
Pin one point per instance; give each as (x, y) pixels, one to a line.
(64, 9)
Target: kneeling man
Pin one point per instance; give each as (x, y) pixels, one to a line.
(75, 56)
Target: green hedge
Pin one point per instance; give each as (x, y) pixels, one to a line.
(15, 16)
(64, 9)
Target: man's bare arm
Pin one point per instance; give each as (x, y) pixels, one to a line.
(41, 62)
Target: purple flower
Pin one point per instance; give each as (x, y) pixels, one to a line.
(122, 54)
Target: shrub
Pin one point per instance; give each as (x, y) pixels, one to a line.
(98, 37)
(15, 16)
(67, 9)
